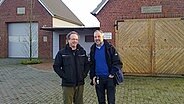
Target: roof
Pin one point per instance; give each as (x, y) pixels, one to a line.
(66, 30)
(59, 10)
(99, 7)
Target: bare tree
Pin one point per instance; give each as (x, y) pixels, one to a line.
(30, 41)
(30, 28)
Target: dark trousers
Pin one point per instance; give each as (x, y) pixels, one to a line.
(106, 85)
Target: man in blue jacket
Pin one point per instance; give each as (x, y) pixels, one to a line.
(71, 64)
(104, 62)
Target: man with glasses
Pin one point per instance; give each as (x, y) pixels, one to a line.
(71, 64)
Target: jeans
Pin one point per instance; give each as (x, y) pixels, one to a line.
(106, 85)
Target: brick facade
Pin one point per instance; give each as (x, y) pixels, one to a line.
(131, 9)
(40, 15)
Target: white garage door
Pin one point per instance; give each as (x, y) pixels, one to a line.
(19, 40)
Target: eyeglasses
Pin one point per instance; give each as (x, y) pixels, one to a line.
(74, 39)
(98, 36)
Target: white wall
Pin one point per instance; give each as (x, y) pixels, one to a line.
(61, 23)
(85, 45)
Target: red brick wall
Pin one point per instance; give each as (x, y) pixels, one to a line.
(40, 15)
(131, 9)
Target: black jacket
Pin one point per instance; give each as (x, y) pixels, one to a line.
(112, 59)
(71, 66)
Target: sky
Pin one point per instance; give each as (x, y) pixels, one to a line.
(82, 9)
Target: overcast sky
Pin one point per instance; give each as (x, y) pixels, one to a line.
(82, 9)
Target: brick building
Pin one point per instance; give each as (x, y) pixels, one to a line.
(148, 34)
(20, 18)
(118, 10)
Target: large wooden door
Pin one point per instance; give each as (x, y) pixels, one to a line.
(133, 41)
(169, 46)
(151, 46)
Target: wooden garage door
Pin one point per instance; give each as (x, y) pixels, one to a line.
(151, 46)
(169, 46)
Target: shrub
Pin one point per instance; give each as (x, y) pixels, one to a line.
(32, 61)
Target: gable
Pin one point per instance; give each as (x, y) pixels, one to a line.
(59, 10)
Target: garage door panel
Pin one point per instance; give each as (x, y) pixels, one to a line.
(169, 47)
(20, 51)
(136, 63)
(19, 40)
(133, 45)
(134, 33)
(171, 62)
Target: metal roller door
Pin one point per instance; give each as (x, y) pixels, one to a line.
(19, 35)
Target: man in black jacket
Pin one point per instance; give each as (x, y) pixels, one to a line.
(104, 62)
(71, 64)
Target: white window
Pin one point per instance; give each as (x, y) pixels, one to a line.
(21, 10)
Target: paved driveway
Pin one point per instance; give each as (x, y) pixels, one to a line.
(21, 84)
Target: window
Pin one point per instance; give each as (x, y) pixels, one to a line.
(21, 10)
(89, 38)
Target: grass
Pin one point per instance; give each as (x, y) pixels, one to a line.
(154, 90)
